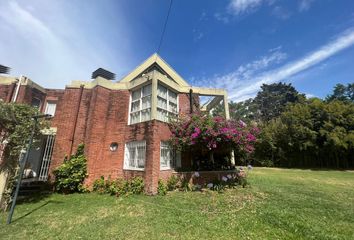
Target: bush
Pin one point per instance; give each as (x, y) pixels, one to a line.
(172, 183)
(69, 176)
(118, 187)
(161, 188)
(136, 185)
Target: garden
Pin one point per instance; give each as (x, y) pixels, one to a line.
(277, 204)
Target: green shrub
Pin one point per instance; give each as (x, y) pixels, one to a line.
(118, 187)
(172, 183)
(161, 188)
(185, 185)
(136, 185)
(99, 185)
(69, 176)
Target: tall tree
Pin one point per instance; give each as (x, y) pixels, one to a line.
(342, 93)
(273, 98)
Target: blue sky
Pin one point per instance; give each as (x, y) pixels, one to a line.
(232, 44)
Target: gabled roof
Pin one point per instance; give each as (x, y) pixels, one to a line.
(155, 59)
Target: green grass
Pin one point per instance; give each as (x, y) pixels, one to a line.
(279, 204)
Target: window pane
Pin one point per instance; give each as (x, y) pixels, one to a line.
(141, 156)
(172, 97)
(161, 103)
(146, 102)
(162, 91)
(162, 115)
(50, 108)
(135, 106)
(136, 94)
(135, 154)
(147, 90)
(145, 115)
(172, 107)
(134, 117)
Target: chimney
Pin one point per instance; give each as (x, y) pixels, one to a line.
(100, 72)
(4, 69)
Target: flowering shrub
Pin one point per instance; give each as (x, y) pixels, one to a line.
(212, 133)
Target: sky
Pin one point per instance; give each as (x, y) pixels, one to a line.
(233, 44)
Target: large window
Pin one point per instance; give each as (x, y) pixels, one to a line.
(169, 158)
(50, 108)
(134, 157)
(140, 107)
(166, 103)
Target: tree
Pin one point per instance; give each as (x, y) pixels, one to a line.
(342, 93)
(207, 133)
(16, 125)
(273, 98)
(311, 134)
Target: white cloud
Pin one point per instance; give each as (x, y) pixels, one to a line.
(304, 5)
(239, 7)
(243, 75)
(48, 43)
(340, 43)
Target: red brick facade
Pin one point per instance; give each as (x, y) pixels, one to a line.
(97, 113)
(98, 117)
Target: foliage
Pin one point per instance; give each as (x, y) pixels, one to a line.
(118, 187)
(161, 188)
(136, 185)
(273, 98)
(315, 134)
(207, 133)
(172, 183)
(342, 93)
(16, 125)
(69, 176)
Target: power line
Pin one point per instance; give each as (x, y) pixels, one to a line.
(164, 27)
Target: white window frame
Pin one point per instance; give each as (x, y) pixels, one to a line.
(135, 147)
(175, 156)
(46, 107)
(140, 100)
(167, 99)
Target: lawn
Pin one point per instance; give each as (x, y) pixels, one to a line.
(278, 204)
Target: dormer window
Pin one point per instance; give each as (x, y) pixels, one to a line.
(140, 107)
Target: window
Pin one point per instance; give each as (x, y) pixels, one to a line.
(50, 108)
(36, 102)
(169, 158)
(140, 107)
(166, 103)
(134, 157)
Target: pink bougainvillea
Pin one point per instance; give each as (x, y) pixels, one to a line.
(212, 133)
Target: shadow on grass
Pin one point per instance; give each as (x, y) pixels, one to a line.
(37, 208)
(33, 198)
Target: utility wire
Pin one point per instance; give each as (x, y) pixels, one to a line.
(164, 27)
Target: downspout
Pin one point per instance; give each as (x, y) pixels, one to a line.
(191, 100)
(17, 89)
(76, 117)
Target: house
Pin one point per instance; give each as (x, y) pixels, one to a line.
(123, 124)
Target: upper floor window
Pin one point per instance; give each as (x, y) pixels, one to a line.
(140, 107)
(36, 102)
(166, 103)
(50, 108)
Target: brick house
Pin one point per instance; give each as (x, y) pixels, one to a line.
(123, 124)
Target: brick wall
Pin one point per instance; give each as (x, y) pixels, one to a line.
(98, 117)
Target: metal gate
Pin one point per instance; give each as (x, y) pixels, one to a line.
(47, 157)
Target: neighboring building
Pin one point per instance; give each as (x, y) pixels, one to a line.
(122, 124)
